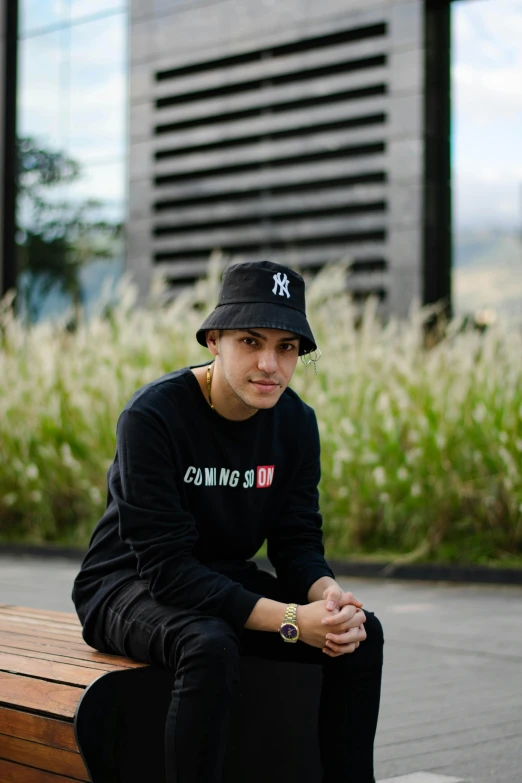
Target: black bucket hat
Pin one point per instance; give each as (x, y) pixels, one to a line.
(264, 295)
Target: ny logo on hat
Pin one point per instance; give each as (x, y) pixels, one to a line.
(283, 283)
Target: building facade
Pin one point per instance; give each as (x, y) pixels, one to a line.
(302, 132)
(271, 128)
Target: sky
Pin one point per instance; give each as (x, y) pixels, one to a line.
(487, 113)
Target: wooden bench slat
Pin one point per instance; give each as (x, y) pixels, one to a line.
(68, 618)
(49, 731)
(40, 627)
(51, 613)
(48, 670)
(32, 637)
(43, 757)
(39, 695)
(77, 652)
(73, 628)
(44, 633)
(10, 772)
(43, 619)
(43, 656)
(41, 614)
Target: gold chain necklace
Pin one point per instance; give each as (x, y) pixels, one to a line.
(209, 386)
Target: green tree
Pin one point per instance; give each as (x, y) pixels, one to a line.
(54, 237)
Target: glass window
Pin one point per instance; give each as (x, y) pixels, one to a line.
(39, 14)
(102, 183)
(80, 8)
(97, 107)
(42, 101)
(487, 157)
(72, 148)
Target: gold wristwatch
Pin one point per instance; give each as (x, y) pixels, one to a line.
(289, 629)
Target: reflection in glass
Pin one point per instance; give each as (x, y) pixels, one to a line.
(42, 100)
(80, 8)
(58, 236)
(487, 156)
(105, 184)
(38, 14)
(98, 90)
(71, 162)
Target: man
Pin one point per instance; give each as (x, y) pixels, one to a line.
(211, 461)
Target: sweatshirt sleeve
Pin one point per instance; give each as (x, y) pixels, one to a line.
(162, 534)
(295, 544)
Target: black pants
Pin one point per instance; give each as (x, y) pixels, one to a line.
(203, 652)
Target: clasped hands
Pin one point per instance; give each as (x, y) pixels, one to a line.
(341, 630)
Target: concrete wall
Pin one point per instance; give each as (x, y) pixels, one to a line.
(248, 156)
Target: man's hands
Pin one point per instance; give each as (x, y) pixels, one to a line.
(335, 624)
(344, 625)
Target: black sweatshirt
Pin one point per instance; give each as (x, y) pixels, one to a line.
(192, 496)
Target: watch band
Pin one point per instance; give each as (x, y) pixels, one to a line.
(289, 630)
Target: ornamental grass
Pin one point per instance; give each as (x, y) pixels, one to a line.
(421, 446)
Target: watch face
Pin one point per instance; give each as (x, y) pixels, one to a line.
(289, 631)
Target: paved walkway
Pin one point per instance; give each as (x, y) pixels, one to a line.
(452, 693)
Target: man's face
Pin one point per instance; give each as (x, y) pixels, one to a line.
(254, 366)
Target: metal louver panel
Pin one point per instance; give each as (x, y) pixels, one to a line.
(269, 127)
(305, 148)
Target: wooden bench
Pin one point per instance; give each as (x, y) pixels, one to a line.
(45, 669)
(69, 713)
